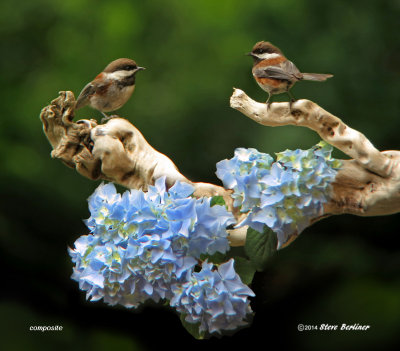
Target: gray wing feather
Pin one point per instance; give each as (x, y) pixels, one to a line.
(285, 71)
(83, 98)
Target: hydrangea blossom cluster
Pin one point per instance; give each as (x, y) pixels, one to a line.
(216, 299)
(285, 194)
(147, 245)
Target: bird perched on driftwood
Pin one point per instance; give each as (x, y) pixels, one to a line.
(274, 73)
(112, 88)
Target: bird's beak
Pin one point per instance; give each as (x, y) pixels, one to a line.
(140, 68)
(249, 54)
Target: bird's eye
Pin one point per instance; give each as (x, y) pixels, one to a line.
(259, 51)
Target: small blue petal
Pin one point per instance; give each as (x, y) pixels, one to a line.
(227, 271)
(181, 190)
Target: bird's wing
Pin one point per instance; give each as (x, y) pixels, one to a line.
(86, 93)
(285, 71)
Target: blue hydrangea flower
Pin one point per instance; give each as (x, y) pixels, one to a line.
(285, 194)
(241, 173)
(143, 242)
(215, 298)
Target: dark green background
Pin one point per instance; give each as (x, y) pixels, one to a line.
(342, 270)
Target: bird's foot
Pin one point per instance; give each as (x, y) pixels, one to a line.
(291, 101)
(267, 102)
(107, 118)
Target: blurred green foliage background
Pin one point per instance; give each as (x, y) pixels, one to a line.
(344, 269)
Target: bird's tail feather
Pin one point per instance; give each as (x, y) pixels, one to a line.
(317, 77)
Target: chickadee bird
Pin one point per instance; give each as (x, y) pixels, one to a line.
(274, 73)
(112, 88)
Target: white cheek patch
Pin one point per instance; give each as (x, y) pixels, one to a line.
(267, 56)
(119, 74)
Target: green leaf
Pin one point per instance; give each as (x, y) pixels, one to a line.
(217, 200)
(245, 269)
(192, 328)
(216, 258)
(260, 247)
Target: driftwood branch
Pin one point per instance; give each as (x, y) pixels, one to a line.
(367, 185)
(332, 129)
(115, 151)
